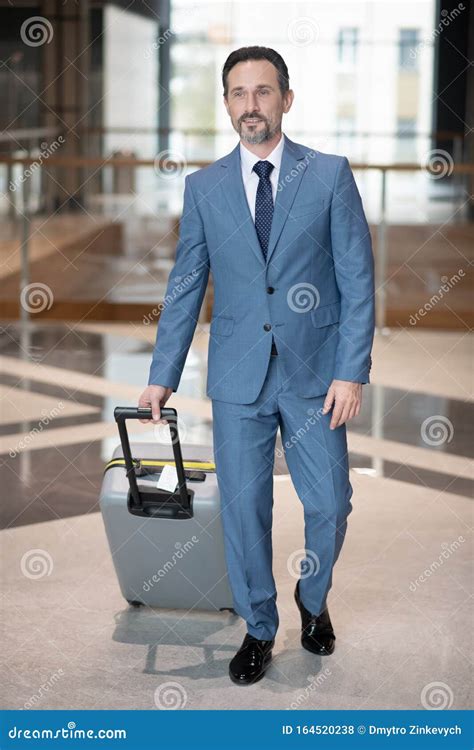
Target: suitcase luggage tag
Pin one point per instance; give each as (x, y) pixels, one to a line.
(168, 478)
(153, 501)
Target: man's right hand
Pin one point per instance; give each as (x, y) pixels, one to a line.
(155, 396)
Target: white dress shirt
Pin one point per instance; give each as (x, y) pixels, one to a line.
(251, 178)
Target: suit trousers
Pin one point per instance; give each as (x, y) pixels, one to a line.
(244, 438)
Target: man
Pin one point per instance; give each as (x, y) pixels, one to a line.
(282, 229)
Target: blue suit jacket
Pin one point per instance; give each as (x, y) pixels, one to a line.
(316, 289)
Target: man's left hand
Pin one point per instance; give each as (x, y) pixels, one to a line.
(347, 399)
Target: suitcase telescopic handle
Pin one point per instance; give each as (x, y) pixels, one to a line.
(121, 414)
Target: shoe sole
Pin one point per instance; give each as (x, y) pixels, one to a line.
(318, 653)
(236, 680)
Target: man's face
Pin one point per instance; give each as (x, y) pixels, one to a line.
(254, 101)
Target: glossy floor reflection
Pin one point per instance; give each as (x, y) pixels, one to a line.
(398, 628)
(433, 423)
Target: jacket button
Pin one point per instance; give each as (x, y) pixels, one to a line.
(270, 289)
(267, 327)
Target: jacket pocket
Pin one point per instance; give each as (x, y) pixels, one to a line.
(314, 207)
(222, 325)
(325, 315)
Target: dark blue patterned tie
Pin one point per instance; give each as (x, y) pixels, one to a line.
(263, 204)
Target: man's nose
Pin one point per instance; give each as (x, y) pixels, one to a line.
(252, 104)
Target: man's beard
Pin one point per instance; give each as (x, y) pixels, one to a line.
(258, 136)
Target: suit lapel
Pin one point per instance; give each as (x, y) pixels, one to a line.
(234, 192)
(292, 168)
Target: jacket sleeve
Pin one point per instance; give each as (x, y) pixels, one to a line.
(354, 270)
(185, 291)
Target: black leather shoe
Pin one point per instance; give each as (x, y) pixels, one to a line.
(251, 660)
(317, 634)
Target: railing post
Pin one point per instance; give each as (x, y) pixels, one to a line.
(459, 181)
(381, 261)
(12, 203)
(25, 247)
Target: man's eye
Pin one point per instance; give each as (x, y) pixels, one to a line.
(265, 91)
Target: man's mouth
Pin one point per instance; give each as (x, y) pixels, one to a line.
(252, 120)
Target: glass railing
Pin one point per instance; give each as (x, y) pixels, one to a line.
(38, 179)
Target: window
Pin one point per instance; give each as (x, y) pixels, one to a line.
(347, 45)
(406, 143)
(407, 47)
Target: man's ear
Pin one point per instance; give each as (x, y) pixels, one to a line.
(288, 100)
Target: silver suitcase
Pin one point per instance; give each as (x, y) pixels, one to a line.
(167, 547)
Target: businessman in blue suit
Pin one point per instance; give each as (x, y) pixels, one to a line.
(282, 229)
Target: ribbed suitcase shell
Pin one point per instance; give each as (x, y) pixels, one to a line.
(166, 562)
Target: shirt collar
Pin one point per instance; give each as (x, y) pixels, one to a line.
(248, 159)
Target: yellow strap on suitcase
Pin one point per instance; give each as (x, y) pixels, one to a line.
(150, 462)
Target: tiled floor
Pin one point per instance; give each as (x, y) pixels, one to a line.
(401, 595)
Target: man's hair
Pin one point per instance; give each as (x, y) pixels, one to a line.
(257, 53)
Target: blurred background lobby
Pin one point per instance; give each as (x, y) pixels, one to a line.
(105, 108)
